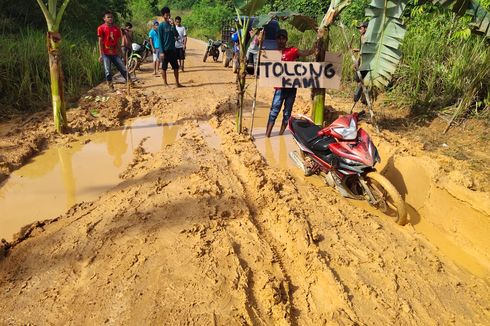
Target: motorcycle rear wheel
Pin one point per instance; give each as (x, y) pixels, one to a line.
(205, 56)
(389, 200)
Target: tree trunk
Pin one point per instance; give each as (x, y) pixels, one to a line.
(318, 94)
(241, 78)
(56, 74)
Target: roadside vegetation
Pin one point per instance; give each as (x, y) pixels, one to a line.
(444, 67)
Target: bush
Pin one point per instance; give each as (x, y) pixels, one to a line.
(207, 17)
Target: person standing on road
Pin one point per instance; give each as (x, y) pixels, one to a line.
(109, 47)
(127, 41)
(155, 47)
(167, 34)
(284, 95)
(181, 42)
(358, 93)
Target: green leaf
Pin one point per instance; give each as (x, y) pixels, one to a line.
(262, 20)
(380, 52)
(251, 7)
(480, 18)
(301, 22)
(94, 113)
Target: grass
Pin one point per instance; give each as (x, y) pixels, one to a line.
(24, 71)
(442, 67)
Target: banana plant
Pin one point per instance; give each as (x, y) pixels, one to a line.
(381, 53)
(244, 11)
(53, 17)
(318, 94)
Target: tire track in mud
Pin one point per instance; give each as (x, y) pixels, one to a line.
(254, 184)
(359, 253)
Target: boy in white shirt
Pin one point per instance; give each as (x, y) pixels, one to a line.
(181, 41)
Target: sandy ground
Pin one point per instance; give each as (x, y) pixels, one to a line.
(201, 233)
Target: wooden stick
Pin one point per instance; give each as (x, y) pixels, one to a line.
(254, 104)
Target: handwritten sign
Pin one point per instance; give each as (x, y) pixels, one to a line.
(295, 74)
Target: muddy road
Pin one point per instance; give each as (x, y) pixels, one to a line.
(209, 228)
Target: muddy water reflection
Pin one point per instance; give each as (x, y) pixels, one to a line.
(80, 171)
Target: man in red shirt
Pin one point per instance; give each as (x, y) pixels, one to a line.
(284, 95)
(109, 46)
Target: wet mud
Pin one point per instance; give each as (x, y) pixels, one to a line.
(213, 228)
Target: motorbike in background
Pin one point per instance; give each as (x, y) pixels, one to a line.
(139, 54)
(345, 156)
(213, 49)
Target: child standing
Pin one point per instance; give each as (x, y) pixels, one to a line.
(181, 42)
(109, 46)
(127, 41)
(155, 46)
(284, 95)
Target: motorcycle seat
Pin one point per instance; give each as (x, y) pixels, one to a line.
(306, 132)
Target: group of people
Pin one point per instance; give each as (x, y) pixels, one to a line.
(168, 40)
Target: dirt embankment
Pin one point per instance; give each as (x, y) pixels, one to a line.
(200, 234)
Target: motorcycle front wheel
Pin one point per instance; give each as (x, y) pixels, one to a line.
(132, 64)
(387, 199)
(205, 56)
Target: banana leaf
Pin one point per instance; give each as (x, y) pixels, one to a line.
(380, 52)
(480, 18)
(250, 8)
(299, 21)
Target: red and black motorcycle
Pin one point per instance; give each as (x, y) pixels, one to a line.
(345, 156)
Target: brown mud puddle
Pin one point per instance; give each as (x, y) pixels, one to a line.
(457, 228)
(79, 171)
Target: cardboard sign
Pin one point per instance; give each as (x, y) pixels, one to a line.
(295, 74)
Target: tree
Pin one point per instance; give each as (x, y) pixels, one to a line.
(381, 52)
(247, 9)
(53, 17)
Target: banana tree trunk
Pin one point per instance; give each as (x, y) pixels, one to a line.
(241, 76)
(318, 94)
(242, 72)
(56, 74)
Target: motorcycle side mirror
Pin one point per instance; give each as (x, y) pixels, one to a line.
(361, 114)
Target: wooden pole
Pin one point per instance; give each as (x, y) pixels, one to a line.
(254, 104)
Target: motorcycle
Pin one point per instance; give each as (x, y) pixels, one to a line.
(138, 55)
(345, 156)
(213, 48)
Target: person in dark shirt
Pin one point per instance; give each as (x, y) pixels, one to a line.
(167, 34)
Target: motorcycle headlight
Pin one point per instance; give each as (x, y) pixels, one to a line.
(351, 162)
(349, 133)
